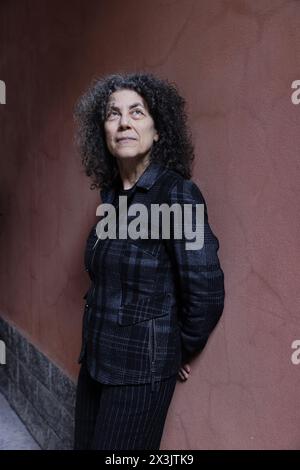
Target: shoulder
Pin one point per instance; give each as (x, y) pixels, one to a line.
(182, 190)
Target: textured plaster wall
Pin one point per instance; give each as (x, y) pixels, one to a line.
(234, 61)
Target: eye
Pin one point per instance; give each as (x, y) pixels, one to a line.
(111, 114)
(138, 112)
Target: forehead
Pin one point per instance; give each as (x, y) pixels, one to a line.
(125, 98)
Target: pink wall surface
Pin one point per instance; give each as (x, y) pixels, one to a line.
(234, 61)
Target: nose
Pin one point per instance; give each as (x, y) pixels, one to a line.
(124, 121)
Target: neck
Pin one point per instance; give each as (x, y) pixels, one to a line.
(130, 170)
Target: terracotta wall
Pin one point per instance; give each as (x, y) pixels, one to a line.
(234, 61)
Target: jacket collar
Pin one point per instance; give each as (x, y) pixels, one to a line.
(145, 181)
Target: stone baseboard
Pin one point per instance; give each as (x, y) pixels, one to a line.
(40, 393)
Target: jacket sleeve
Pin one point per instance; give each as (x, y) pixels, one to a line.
(198, 273)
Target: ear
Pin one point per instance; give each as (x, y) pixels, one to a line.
(156, 137)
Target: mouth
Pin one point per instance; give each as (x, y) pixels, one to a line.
(125, 139)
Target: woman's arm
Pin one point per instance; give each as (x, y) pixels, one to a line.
(199, 275)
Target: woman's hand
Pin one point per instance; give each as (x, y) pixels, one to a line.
(184, 371)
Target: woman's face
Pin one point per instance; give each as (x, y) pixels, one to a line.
(129, 127)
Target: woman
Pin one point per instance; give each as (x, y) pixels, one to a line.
(152, 303)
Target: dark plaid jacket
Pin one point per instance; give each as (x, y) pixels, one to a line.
(152, 304)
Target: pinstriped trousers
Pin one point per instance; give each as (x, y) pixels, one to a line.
(120, 417)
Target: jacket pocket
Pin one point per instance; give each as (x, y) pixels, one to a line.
(139, 268)
(145, 308)
(149, 246)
